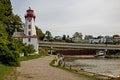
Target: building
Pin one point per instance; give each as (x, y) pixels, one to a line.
(87, 37)
(94, 41)
(101, 40)
(29, 35)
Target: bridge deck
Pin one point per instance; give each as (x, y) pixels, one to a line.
(78, 45)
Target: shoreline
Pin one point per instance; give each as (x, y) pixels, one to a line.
(94, 76)
(97, 74)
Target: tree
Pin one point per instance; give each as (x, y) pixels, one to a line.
(99, 37)
(9, 54)
(68, 39)
(14, 24)
(40, 34)
(57, 38)
(64, 37)
(77, 35)
(114, 36)
(48, 36)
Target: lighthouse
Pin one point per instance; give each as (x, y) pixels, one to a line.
(30, 29)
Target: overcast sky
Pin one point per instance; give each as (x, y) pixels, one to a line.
(90, 17)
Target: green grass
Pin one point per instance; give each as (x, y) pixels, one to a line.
(4, 71)
(74, 71)
(25, 58)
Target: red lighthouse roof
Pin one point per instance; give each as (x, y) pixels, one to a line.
(30, 13)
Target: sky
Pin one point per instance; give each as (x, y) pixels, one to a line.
(89, 17)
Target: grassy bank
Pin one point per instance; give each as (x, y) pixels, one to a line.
(10, 73)
(4, 71)
(75, 72)
(25, 58)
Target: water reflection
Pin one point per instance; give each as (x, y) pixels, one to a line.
(102, 66)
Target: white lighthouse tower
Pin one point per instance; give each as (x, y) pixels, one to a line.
(30, 29)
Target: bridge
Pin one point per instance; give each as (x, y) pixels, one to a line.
(78, 45)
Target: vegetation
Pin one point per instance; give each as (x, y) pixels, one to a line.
(29, 57)
(28, 49)
(40, 34)
(10, 48)
(48, 36)
(77, 35)
(4, 71)
(25, 58)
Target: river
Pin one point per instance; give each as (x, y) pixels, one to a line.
(96, 65)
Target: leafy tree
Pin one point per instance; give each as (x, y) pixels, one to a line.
(116, 36)
(116, 39)
(9, 49)
(9, 54)
(14, 24)
(3, 33)
(68, 39)
(64, 37)
(58, 38)
(5, 11)
(40, 34)
(99, 37)
(77, 35)
(48, 35)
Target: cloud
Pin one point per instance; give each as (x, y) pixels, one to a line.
(69, 16)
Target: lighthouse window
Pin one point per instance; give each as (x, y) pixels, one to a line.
(29, 26)
(29, 33)
(29, 19)
(29, 39)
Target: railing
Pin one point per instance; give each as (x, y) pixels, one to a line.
(78, 45)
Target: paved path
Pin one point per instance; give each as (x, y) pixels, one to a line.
(39, 69)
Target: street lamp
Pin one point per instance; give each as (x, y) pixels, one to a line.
(51, 48)
(106, 46)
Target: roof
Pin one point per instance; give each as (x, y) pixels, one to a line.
(18, 34)
(22, 35)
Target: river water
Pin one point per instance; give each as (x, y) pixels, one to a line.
(97, 65)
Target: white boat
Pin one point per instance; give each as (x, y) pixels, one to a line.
(100, 54)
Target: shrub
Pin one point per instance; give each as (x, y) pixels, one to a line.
(9, 54)
(28, 49)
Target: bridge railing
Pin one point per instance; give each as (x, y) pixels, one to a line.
(78, 45)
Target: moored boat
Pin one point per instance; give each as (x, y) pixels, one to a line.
(100, 54)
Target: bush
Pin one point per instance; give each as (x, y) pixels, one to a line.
(9, 54)
(28, 49)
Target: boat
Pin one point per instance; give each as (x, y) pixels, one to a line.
(100, 54)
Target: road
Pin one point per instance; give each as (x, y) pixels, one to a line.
(39, 69)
